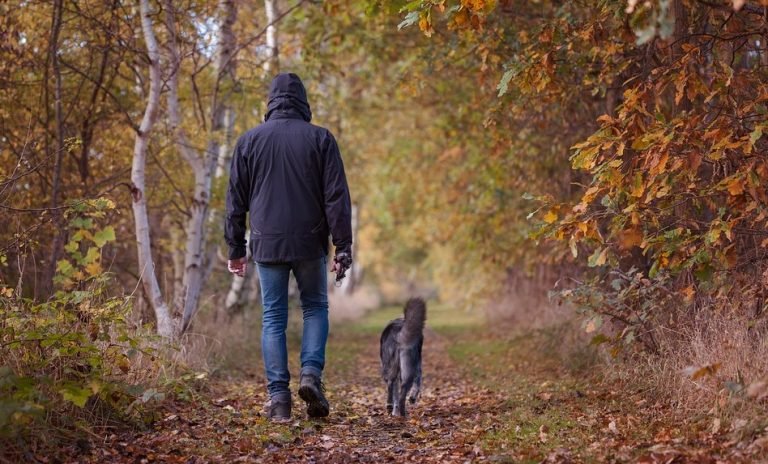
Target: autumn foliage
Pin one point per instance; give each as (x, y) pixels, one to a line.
(611, 155)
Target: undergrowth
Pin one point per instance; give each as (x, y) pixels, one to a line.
(74, 366)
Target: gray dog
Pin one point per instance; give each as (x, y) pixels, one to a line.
(401, 344)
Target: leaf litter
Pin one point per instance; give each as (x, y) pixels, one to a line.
(484, 400)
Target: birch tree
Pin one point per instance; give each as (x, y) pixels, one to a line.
(147, 274)
(271, 65)
(203, 164)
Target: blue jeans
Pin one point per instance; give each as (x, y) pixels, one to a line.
(311, 277)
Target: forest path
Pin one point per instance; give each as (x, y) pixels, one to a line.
(487, 397)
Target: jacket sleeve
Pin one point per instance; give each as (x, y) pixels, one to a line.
(238, 199)
(338, 208)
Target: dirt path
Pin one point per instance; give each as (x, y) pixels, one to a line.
(224, 424)
(485, 399)
(442, 427)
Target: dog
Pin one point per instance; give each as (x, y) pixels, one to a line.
(400, 350)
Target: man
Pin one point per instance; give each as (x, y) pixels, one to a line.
(289, 175)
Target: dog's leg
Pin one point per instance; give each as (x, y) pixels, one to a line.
(416, 390)
(390, 395)
(395, 385)
(407, 377)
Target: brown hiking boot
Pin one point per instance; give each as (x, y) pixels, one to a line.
(311, 390)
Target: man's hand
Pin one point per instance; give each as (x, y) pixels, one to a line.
(238, 266)
(341, 262)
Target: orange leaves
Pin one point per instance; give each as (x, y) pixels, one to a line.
(735, 186)
(697, 373)
(694, 161)
(688, 293)
(629, 238)
(658, 163)
(425, 26)
(680, 87)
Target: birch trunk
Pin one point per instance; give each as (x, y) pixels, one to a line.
(203, 165)
(234, 298)
(272, 64)
(147, 273)
(177, 255)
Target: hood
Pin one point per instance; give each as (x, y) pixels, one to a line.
(288, 99)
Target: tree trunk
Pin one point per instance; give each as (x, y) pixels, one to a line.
(272, 64)
(147, 272)
(234, 298)
(58, 237)
(177, 256)
(203, 166)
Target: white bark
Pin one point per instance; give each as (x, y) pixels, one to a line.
(178, 265)
(146, 264)
(271, 65)
(203, 165)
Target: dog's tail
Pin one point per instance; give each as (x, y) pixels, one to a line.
(415, 314)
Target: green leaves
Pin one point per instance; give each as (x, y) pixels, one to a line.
(104, 236)
(85, 218)
(75, 394)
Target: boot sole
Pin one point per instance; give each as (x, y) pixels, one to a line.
(315, 406)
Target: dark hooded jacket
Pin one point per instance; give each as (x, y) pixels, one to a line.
(288, 174)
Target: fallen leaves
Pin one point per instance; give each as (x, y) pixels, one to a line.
(507, 402)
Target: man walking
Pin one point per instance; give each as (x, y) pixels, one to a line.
(288, 174)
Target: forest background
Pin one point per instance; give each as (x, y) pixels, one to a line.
(602, 161)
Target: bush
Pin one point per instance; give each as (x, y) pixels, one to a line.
(72, 363)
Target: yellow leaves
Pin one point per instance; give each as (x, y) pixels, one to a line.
(93, 268)
(585, 157)
(598, 258)
(551, 216)
(590, 194)
(638, 187)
